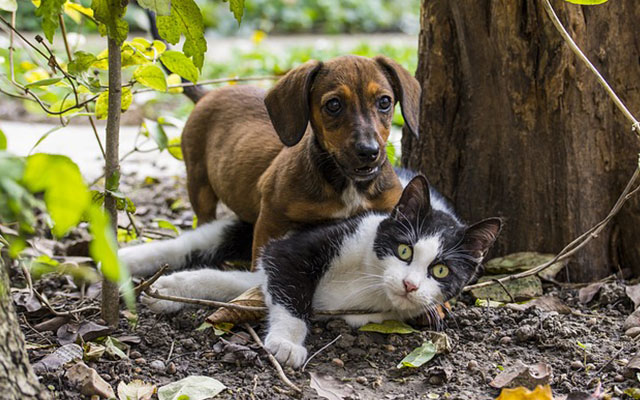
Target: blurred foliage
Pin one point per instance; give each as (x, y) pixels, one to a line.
(274, 16)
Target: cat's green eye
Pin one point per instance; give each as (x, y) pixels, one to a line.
(404, 252)
(440, 271)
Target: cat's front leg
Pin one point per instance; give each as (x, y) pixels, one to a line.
(358, 320)
(285, 338)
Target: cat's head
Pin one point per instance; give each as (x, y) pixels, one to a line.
(427, 254)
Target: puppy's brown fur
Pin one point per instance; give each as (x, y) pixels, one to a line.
(285, 159)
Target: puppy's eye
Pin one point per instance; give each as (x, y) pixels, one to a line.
(384, 103)
(440, 271)
(404, 252)
(333, 106)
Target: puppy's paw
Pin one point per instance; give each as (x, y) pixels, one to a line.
(286, 351)
(165, 286)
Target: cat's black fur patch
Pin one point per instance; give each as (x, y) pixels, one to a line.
(295, 265)
(235, 246)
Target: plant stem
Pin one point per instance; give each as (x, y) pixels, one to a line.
(110, 295)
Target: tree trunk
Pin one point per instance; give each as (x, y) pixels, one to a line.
(110, 293)
(513, 125)
(17, 379)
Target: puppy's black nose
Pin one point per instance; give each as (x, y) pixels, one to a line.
(367, 152)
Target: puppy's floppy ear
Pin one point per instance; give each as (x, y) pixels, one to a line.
(405, 88)
(415, 200)
(288, 102)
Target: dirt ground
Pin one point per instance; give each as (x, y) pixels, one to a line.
(584, 348)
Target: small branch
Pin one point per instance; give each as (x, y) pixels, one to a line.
(212, 303)
(574, 47)
(320, 351)
(144, 285)
(273, 360)
(513, 300)
(208, 303)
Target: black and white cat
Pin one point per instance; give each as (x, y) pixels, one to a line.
(397, 265)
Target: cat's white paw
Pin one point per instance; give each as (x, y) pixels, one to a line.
(356, 321)
(166, 286)
(286, 351)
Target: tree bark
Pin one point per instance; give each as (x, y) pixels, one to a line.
(110, 294)
(512, 124)
(17, 379)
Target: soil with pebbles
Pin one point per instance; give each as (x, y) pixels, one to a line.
(583, 348)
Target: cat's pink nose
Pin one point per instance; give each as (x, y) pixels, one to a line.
(409, 286)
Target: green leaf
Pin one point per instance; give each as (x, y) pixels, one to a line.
(8, 5)
(180, 64)
(488, 303)
(45, 135)
(587, 2)
(43, 82)
(50, 11)
(109, 13)
(419, 356)
(388, 326)
(114, 348)
(164, 224)
(157, 133)
(126, 99)
(633, 393)
(185, 19)
(151, 75)
(160, 7)
(65, 192)
(3, 140)
(81, 62)
(237, 8)
(191, 388)
(391, 153)
(102, 103)
(175, 149)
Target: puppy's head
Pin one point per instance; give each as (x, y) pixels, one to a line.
(349, 102)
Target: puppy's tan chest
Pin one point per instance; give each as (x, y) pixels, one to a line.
(353, 202)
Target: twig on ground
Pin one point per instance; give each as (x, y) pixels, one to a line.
(272, 359)
(173, 343)
(213, 303)
(319, 351)
(144, 285)
(513, 300)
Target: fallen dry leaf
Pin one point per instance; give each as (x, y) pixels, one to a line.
(544, 303)
(58, 358)
(252, 297)
(520, 393)
(586, 294)
(88, 381)
(523, 375)
(192, 387)
(330, 388)
(632, 320)
(51, 325)
(634, 294)
(71, 332)
(136, 390)
(25, 299)
(388, 326)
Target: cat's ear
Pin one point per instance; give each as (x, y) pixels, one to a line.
(415, 200)
(479, 237)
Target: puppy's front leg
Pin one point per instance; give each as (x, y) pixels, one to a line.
(268, 226)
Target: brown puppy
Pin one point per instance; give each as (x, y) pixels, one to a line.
(312, 149)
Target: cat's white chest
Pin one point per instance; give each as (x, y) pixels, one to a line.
(353, 202)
